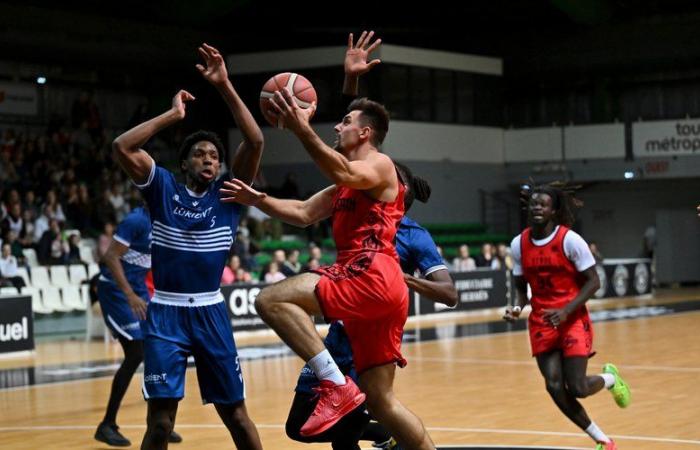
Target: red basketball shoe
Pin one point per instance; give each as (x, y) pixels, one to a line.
(334, 402)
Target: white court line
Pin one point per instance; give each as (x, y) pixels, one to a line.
(506, 362)
(445, 429)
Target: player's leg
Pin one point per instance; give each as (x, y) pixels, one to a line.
(238, 423)
(380, 436)
(159, 423)
(286, 307)
(404, 425)
(550, 365)
(107, 430)
(579, 385)
(219, 372)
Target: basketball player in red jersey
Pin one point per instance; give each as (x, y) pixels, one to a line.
(365, 288)
(560, 269)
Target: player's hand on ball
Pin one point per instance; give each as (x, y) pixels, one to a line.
(178, 105)
(292, 116)
(512, 313)
(236, 191)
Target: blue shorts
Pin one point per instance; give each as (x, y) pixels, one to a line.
(117, 313)
(172, 333)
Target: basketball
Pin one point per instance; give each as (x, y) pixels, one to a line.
(302, 91)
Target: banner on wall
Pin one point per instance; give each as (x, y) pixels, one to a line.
(20, 99)
(666, 138)
(16, 324)
(624, 277)
(477, 289)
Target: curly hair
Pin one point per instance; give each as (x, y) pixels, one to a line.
(563, 198)
(418, 188)
(201, 135)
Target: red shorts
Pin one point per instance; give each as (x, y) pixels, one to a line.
(370, 296)
(574, 338)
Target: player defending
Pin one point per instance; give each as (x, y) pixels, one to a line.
(123, 295)
(192, 234)
(560, 269)
(365, 288)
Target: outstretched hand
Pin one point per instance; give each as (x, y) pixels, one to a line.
(291, 115)
(357, 54)
(236, 191)
(178, 105)
(215, 70)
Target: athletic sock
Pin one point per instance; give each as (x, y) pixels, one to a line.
(609, 379)
(325, 368)
(596, 433)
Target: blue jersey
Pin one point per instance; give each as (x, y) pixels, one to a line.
(134, 232)
(417, 251)
(192, 236)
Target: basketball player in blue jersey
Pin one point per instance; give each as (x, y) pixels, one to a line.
(122, 293)
(192, 234)
(417, 252)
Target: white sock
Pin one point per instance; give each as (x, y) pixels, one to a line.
(596, 433)
(325, 368)
(609, 379)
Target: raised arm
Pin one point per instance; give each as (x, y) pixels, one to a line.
(356, 63)
(127, 146)
(300, 213)
(245, 161)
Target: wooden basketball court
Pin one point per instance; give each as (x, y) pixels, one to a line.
(469, 390)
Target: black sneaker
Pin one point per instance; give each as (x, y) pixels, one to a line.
(110, 435)
(174, 438)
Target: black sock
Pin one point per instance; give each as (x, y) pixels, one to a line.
(375, 432)
(133, 355)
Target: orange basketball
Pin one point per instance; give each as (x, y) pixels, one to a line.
(302, 91)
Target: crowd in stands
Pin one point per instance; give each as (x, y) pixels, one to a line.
(491, 257)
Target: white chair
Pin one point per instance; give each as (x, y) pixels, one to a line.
(72, 298)
(59, 276)
(22, 272)
(51, 296)
(37, 304)
(30, 254)
(86, 254)
(78, 273)
(93, 269)
(9, 291)
(40, 277)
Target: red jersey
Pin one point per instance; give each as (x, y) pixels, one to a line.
(362, 224)
(553, 278)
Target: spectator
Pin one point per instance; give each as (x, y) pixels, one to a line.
(52, 201)
(13, 221)
(503, 258)
(485, 259)
(312, 264)
(272, 274)
(291, 266)
(104, 210)
(16, 249)
(596, 252)
(242, 276)
(52, 249)
(42, 223)
(8, 268)
(30, 203)
(104, 240)
(73, 254)
(315, 252)
(463, 262)
(229, 274)
(26, 237)
(116, 198)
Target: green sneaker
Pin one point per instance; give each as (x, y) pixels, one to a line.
(620, 390)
